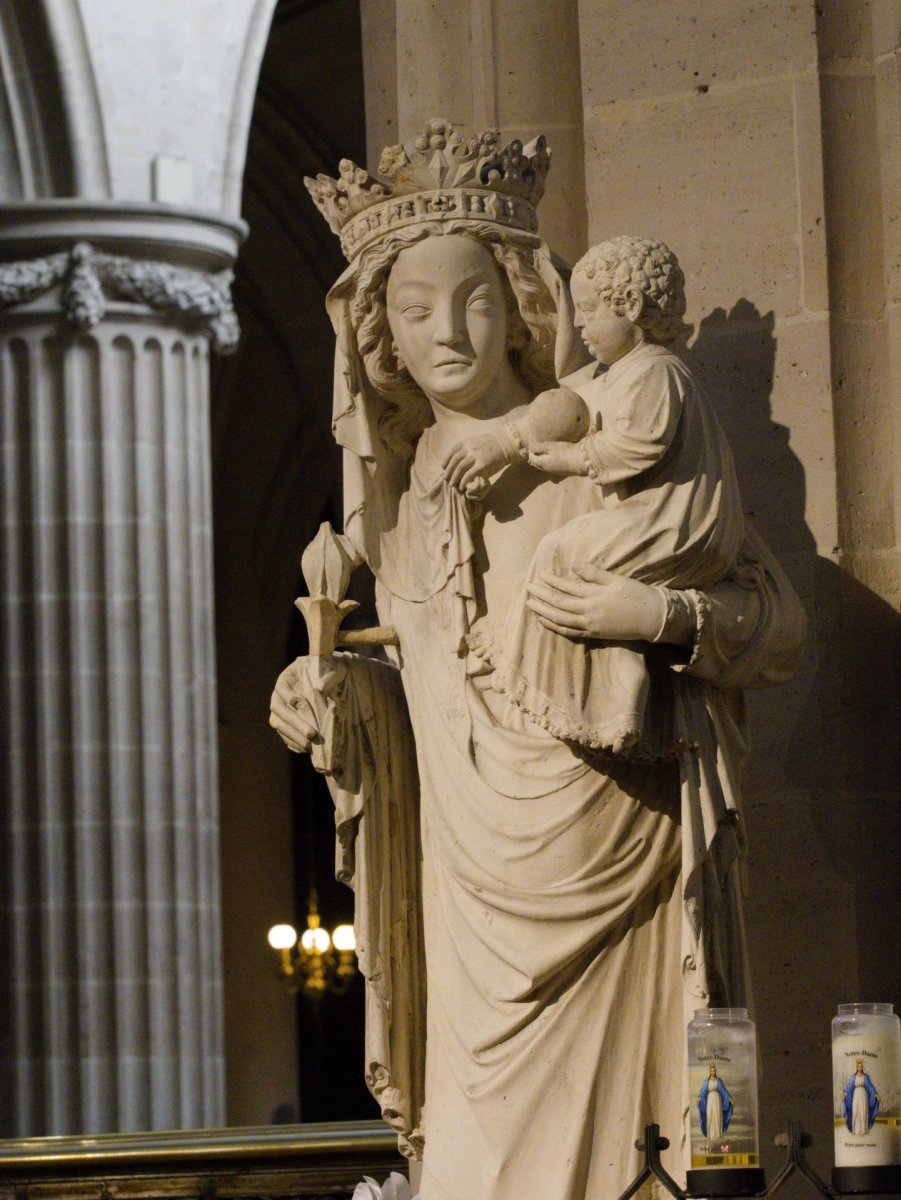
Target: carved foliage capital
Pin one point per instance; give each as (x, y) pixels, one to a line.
(200, 299)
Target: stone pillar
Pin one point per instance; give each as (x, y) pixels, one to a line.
(111, 1007)
(483, 64)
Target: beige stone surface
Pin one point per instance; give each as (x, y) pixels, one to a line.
(378, 20)
(754, 369)
(794, 928)
(855, 31)
(697, 194)
(696, 45)
(860, 125)
(811, 202)
(863, 418)
(536, 81)
(855, 196)
(483, 64)
(760, 139)
(434, 64)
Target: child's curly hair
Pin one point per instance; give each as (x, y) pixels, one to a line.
(615, 266)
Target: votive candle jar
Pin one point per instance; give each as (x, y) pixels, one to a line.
(722, 1076)
(866, 1085)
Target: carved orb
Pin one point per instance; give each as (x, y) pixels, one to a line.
(558, 415)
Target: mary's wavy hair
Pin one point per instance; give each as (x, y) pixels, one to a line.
(531, 322)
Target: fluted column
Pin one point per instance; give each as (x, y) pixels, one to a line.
(111, 1015)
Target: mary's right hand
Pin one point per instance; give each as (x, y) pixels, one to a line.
(601, 604)
(290, 713)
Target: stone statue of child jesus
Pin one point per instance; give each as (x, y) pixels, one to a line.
(669, 511)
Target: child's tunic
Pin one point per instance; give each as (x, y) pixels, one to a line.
(670, 514)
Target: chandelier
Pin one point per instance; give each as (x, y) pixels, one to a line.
(317, 962)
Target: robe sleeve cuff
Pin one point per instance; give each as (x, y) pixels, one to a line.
(512, 443)
(700, 634)
(595, 462)
(680, 624)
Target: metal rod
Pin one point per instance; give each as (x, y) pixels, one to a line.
(651, 1144)
(796, 1141)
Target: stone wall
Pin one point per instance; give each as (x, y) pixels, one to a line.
(753, 138)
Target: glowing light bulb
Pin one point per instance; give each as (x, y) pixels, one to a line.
(282, 937)
(344, 938)
(315, 940)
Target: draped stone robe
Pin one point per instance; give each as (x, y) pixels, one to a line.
(573, 909)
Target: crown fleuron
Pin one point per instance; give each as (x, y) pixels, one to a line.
(441, 175)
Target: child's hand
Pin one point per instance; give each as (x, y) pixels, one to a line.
(557, 458)
(468, 465)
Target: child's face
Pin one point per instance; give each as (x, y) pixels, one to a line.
(606, 335)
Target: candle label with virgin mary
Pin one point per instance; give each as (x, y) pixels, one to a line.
(722, 1076)
(866, 1085)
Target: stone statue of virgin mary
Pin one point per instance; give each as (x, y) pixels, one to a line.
(536, 917)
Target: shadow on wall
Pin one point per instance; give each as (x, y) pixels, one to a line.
(852, 630)
(820, 792)
(734, 356)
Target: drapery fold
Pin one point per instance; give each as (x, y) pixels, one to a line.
(368, 758)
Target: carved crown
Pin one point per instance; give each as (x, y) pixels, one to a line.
(441, 175)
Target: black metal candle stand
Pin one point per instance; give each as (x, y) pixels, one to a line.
(714, 1184)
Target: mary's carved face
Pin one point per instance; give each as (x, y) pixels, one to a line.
(447, 313)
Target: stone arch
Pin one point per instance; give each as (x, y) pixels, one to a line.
(51, 128)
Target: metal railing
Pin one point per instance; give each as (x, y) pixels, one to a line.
(300, 1161)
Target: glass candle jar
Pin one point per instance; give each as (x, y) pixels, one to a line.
(866, 1089)
(722, 1076)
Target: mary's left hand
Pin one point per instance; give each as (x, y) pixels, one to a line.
(601, 604)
